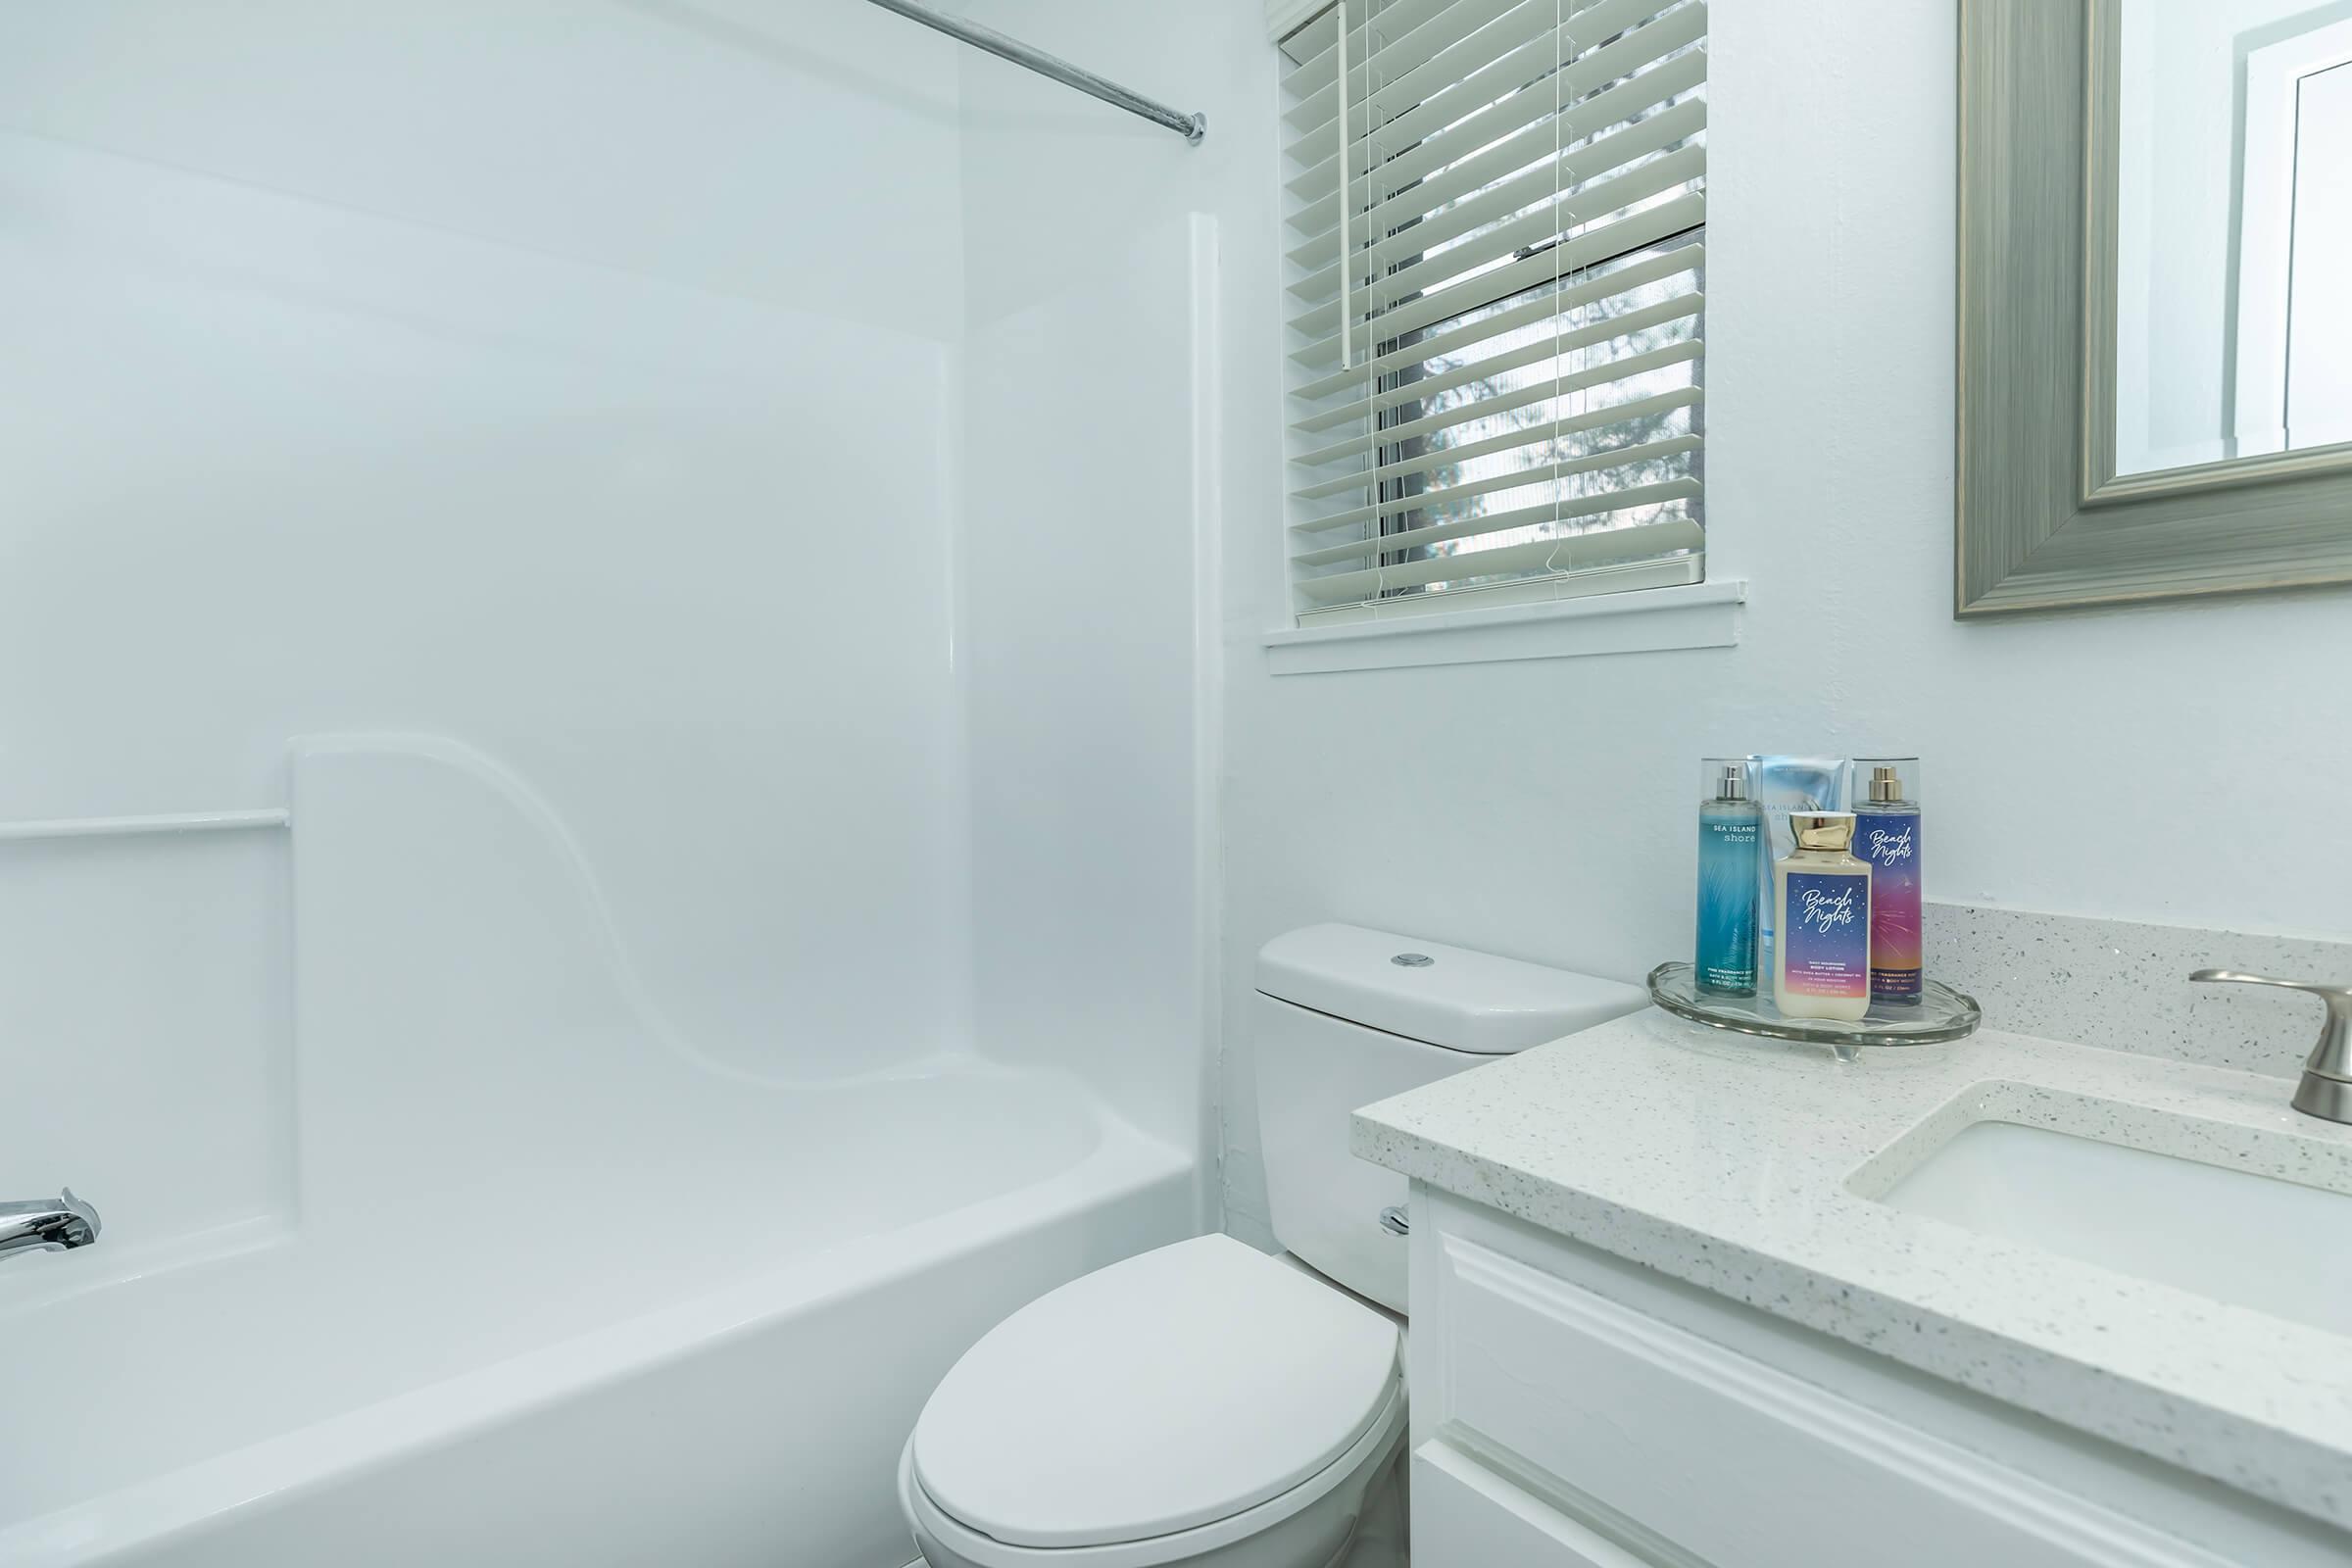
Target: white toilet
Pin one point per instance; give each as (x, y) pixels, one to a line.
(1204, 1404)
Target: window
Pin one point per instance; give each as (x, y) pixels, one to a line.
(2293, 381)
(1495, 301)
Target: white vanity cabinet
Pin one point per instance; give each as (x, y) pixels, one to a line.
(1571, 1410)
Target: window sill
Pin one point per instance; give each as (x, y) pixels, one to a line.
(1645, 620)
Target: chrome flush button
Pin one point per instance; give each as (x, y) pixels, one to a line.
(1412, 960)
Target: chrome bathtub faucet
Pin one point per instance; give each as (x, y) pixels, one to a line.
(50, 1224)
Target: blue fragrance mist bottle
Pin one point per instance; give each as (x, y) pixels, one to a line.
(1730, 837)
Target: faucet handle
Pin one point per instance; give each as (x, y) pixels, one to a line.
(2337, 996)
(2326, 1087)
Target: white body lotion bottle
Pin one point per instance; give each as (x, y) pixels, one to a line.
(1821, 898)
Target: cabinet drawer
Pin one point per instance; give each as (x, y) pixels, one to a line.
(1734, 1462)
(1466, 1516)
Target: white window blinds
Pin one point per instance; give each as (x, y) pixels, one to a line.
(1496, 301)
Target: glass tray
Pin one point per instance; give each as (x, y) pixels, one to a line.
(1940, 1015)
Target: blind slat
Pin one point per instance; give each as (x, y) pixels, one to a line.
(1309, 46)
(1390, 19)
(1441, 71)
(1679, 307)
(1605, 373)
(1606, 415)
(1545, 219)
(1454, 340)
(1437, 134)
(1524, 144)
(1464, 533)
(1457, 494)
(1592, 548)
(1645, 226)
(1624, 457)
(1386, 53)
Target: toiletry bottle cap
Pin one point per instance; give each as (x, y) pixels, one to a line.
(1822, 830)
(1732, 786)
(1886, 784)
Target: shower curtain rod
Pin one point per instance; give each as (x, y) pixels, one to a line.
(1192, 128)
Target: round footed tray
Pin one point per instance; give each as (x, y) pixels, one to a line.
(1941, 1013)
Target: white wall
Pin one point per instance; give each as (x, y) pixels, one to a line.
(488, 373)
(2146, 763)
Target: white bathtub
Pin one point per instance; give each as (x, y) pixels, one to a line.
(675, 1379)
(539, 1282)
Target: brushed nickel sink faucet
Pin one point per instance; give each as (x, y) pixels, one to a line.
(2326, 1091)
(50, 1224)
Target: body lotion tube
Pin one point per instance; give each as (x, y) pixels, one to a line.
(1821, 962)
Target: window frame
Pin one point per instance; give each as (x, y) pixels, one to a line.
(2255, 387)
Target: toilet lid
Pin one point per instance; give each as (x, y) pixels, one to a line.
(1165, 1393)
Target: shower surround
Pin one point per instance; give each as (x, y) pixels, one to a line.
(653, 1003)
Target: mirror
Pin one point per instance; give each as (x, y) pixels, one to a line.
(2155, 325)
(2233, 231)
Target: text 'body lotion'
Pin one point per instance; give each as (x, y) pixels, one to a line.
(1821, 893)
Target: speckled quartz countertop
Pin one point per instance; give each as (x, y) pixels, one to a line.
(1747, 1169)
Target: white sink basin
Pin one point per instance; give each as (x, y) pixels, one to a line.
(2252, 1241)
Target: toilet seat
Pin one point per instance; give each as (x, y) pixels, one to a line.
(1175, 1394)
(1378, 1446)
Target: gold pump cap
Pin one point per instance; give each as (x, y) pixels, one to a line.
(1886, 784)
(1823, 830)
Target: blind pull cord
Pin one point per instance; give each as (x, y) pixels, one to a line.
(1346, 212)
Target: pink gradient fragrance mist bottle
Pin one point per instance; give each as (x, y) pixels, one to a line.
(1887, 835)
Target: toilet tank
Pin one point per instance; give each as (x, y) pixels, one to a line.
(1346, 1016)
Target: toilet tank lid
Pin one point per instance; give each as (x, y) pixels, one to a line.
(1464, 1001)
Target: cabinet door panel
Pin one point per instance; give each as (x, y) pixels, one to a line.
(1734, 1462)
